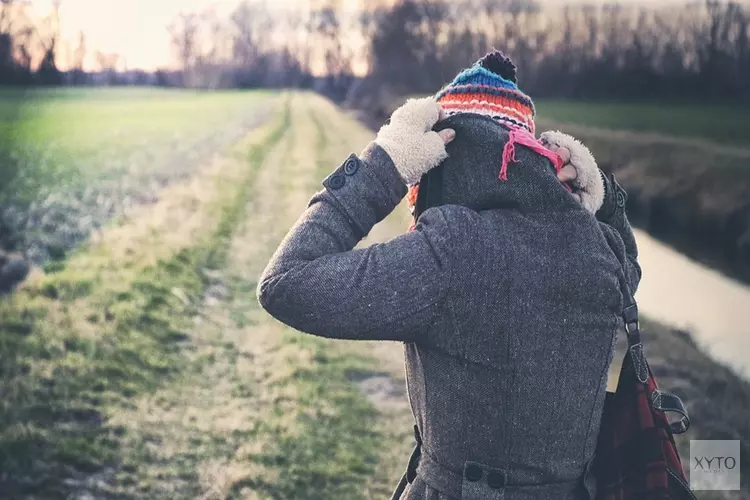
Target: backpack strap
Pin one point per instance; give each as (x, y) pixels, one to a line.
(660, 400)
(411, 470)
(633, 330)
(669, 403)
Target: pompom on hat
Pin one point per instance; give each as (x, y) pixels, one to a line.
(490, 88)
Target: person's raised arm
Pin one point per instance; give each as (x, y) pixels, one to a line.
(315, 281)
(599, 193)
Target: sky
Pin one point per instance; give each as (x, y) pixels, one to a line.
(137, 29)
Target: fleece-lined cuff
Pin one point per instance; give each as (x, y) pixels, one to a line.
(367, 188)
(588, 182)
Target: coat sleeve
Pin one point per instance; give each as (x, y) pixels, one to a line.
(614, 218)
(316, 282)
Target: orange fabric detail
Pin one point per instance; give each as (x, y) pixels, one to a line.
(490, 99)
(411, 196)
(526, 119)
(469, 86)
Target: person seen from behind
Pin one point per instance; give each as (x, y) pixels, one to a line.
(505, 292)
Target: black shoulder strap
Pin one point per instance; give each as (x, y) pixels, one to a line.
(633, 330)
(660, 400)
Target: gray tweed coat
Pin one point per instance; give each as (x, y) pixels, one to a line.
(506, 296)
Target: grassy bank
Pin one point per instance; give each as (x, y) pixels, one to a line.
(724, 125)
(141, 366)
(79, 344)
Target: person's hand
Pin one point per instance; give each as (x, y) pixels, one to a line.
(579, 169)
(409, 140)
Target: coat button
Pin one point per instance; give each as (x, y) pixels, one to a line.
(473, 473)
(351, 166)
(336, 181)
(621, 199)
(496, 480)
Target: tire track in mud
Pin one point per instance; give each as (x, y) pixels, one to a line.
(79, 345)
(263, 411)
(176, 440)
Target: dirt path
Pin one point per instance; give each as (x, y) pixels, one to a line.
(81, 344)
(143, 367)
(187, 437)
(262, 411)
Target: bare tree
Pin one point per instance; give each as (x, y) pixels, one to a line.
(107, 64)
(415, 46)
(16, 42)
(48, 35)
(184, 34)
(79, 56)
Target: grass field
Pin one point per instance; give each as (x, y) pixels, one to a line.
(139, 365)
(71, 160)
(720, 124)
(71, 137)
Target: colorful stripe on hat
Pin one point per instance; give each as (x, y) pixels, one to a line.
(478, 90)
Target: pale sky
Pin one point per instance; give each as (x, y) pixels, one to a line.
(137, 29)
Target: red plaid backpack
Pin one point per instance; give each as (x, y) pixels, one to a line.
(636, 456)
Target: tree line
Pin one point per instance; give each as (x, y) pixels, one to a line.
(697, 51)
(28, 46)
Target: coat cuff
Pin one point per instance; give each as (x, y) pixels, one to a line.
(615, 198)
(367, 187)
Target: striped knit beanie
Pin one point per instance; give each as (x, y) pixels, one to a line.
(490, 88)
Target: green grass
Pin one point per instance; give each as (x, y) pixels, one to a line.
(333, 444)
(59, 379)
(50, 138)
(324, 440)
(721, 124)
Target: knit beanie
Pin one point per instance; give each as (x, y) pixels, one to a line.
(490, 88)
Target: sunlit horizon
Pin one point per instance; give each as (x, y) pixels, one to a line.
(137, 30)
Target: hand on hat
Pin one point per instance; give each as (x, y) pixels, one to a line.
(409, 140)
(579, 169)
